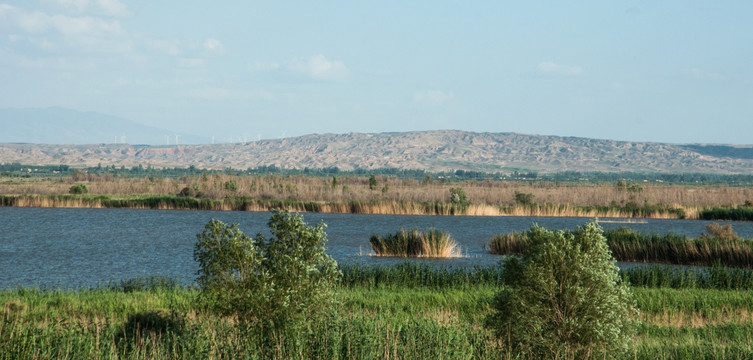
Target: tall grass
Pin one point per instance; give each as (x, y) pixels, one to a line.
(739, 213)
(410, 275)
(632, 246)
(401, 196)
(414, 243)
(398, 318)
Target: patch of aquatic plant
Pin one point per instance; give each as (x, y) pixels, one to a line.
(719, 245)
(146, 283)
(670, 248)
(739, 213)
(414, 243)
(412, 275)
(714, 277)
(635, 210)
(509, 243)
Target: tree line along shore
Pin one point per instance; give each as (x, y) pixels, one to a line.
(383, 194)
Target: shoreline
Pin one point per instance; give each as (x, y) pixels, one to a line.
(164, 202)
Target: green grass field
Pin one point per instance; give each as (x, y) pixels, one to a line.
(405, 312)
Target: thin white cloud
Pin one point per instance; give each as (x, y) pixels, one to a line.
(56, 32)
(5, 9)
(164, 46)
(191, 62)
(111, 8)
(432, 97)
(552, 68)
(260, 66)
(220, 93)
(319, 67)
(213, 45)
(39, 22)
(71, 5)
(699, 74)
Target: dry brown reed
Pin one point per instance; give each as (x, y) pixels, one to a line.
(401, 196)
(414, 243)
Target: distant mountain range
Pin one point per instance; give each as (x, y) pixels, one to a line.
(428, 150)
(55, 125)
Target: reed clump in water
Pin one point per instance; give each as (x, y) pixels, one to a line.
(510, 243)
(414, 243)
(718, 246)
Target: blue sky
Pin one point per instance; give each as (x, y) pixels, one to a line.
(668, 71)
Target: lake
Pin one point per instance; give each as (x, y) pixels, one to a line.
(70, 248)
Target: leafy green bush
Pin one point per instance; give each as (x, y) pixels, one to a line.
(272, 285)
(78, 189)
(564, 299)
(458, 196)
(522, 198)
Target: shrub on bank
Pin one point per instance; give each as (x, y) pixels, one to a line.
(564, 299)
(78, 189)
(272, 285)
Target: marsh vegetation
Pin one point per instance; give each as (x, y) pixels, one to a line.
(415, 243)
(381, 195)
(719, 244)
(406, 311)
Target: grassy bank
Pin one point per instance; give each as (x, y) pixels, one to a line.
(406, 312)
(632, 246)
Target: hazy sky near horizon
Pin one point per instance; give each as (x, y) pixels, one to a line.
(669, 71)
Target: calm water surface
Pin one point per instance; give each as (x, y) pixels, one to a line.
(69, 248)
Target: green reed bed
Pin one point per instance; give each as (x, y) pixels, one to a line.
(411, 275)
(739, 213)
(637, 211)
(714, 277)
(632, 246)
(381, 313)
(415, 243)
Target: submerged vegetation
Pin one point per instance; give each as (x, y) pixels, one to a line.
(414, 243)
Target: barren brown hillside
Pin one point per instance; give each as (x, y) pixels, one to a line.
(429, 150)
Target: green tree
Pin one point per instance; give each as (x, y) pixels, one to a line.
(372, 182)
(564, 299)
(524, 198)
(272, 285)
(458, 196)
(230, 186)
(78, 189)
